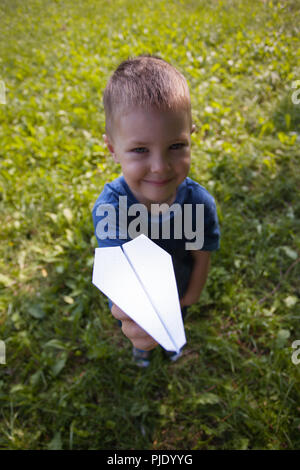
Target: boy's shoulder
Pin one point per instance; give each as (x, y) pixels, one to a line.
(111, 192)
(196, 193)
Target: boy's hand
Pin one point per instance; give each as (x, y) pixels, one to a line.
(139, 338)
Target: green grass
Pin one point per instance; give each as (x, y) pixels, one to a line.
(69, 382)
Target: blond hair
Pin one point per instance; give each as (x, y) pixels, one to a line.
(145, 81)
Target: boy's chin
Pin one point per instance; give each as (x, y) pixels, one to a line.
(162, 199)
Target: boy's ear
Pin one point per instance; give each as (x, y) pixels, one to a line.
(193, 128)
(107, 142)
(109, 145)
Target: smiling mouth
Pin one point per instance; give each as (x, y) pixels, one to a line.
(159, 182)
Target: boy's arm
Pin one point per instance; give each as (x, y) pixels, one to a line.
(198, 277)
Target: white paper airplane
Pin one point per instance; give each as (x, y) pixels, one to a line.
(139, 278)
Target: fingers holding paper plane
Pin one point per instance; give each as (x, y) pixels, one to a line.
(139, 338)
(118, 313)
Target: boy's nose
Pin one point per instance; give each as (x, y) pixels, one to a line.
(159, 163)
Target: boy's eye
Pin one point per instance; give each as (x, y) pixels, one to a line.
(139, 150)
(178, 146)
(173, 147)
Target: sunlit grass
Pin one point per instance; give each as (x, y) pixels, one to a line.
(69, 381)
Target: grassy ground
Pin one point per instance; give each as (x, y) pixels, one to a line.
(68, 381)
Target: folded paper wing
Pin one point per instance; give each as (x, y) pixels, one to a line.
(139, 278)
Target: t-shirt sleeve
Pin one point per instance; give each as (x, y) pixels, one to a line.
(211, 226)
(105, 215)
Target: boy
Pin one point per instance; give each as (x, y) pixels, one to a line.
(148, 132)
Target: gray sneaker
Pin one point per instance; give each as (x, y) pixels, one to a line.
(173, 355)
(141, 357)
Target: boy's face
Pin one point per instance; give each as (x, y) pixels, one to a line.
(154, 150)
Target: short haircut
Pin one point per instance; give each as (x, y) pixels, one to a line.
(145, 81)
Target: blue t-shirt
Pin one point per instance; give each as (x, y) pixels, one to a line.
(111, 227)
